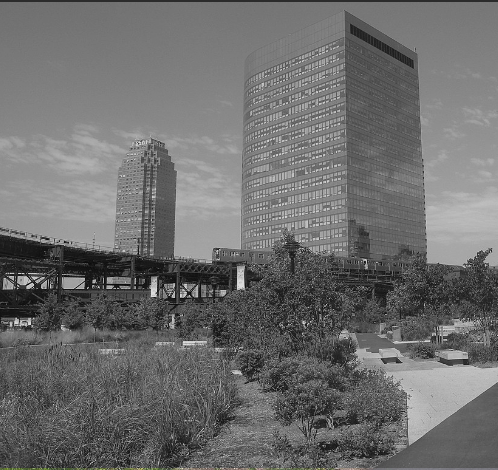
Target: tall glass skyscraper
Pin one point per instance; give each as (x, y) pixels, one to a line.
(146, 201)
(332, 142)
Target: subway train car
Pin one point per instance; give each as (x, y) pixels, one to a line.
(236, 255)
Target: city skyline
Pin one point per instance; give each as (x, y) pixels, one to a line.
(80, 81)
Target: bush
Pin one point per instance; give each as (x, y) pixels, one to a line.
(250, 362)
(457, 341)
(282, 375)
(419, 329)
(364, 440)
(422, 350)
(374, 397)
(337, 351)
(303, 402)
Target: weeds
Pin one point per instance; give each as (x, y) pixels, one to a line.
(68, 406)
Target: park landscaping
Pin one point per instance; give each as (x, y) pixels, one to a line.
(68, 406)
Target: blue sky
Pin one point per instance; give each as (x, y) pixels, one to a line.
(80, 81)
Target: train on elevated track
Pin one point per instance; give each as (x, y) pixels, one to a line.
(236, 255)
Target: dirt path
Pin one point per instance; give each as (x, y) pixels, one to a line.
(246, 441)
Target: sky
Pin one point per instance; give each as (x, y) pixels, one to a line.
(80, 81)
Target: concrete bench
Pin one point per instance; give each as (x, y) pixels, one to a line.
(112, 352)
(389, 355)
(164, 343)
(453, 356)
(189, 344)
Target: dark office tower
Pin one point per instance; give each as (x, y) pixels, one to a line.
(145, 204)
(332, 147)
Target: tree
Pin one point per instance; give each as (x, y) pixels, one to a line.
(49, 315)
(284, 310)
(479, 287)
(73, 315)
(96, 312)
(424, 290)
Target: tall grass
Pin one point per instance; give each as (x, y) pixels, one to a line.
(68, 406)
(87, 334)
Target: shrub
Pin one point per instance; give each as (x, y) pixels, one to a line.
(419, 329)
(250, 362)
(283, 375)
(422, 350)
(374, 397)
(457, 341)
(337, 351)
(303, 402)
(364, 440)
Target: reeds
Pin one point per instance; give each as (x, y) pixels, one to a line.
(68, 406)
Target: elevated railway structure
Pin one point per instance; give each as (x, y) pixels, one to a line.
(32, 266)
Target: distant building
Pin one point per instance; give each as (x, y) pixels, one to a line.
(332, 142)
(146, 199)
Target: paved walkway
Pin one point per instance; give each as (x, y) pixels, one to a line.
(452, 410)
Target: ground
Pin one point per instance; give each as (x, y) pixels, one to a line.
(246, 441)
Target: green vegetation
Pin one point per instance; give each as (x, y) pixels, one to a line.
(288, 325)
(68, 406)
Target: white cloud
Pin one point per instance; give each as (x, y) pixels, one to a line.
(482, 162)
(479, 117)
(442, 157)
(81, 153)
(463, 217)
(453, 133)
(75, 200)
(205, 191)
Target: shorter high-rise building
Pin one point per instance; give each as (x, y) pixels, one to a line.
(146, 200)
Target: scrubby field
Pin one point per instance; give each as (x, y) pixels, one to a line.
(68, 406)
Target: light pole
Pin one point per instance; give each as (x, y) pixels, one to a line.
(292, 246)
(214, 283)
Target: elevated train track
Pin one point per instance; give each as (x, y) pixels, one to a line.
(32, 266)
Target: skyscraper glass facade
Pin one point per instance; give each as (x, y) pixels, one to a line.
(332, 142)
(146, 201)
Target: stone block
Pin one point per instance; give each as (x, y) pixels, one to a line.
(389, 355)
(112, 352)
(453, 356)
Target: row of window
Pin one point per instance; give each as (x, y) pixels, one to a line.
(295, 61)
(296, 185)
(285, 100)
(301, 158)
(295, 73)
(320, 88)
(295, 199)
(373, 150)
(412, 77)
(359, 33)
(386, 86)
(302, 171)
(408, 174)
(300, 119)
(298, 133)
(373, 207)
(336, 247)
(378, 131)
(298, 146)
(295, 212)
(385, 198)
(387, 117)
(295, 225)
(390, 228)
(377, 128)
